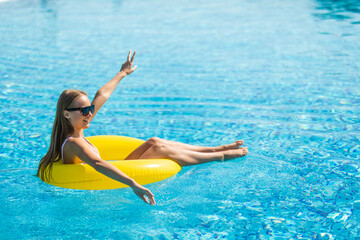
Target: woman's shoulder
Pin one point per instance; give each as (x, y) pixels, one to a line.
(72, 147)
(76, 145)
(74, 142)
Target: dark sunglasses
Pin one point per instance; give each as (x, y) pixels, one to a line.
(84, 110)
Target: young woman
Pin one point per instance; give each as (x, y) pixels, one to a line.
(74, 113)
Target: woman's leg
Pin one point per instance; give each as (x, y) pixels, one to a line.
(234, 145)
(178, 145)
(139, 151)
(186, 157)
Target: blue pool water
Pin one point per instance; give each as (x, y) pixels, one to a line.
(283, 75)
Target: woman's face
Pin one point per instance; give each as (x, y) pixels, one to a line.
(77, 120)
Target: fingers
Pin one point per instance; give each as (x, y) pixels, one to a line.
(142, 192)
(151, 197)
(133, 69)
(144, 199)
(142, 196)
(132, 58)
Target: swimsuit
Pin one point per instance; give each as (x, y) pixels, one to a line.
(62, 149)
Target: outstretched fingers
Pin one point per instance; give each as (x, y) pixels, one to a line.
(127, 67)
(132, 58)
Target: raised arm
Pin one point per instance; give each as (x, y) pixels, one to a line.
(83, 152)
(103, 94)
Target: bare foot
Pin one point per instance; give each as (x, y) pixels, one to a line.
(234, 145)
(235, 153)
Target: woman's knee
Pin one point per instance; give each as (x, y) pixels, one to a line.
(155, 141)
(160, 148)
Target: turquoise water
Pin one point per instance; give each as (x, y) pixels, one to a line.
(282, 75)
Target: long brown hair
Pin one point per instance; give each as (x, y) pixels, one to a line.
(61, 129)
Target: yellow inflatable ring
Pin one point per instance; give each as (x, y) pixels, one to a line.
(113, 149)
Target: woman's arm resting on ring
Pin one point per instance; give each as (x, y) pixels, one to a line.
(103, 94)
(79, 148)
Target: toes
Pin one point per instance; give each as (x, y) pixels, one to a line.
(244, 150)
(239, 142)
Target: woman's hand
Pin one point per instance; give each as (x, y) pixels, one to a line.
(127, 66)
(142, 191)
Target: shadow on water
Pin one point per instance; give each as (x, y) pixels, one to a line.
(337, 9)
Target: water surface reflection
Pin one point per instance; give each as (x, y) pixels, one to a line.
(338, 10)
